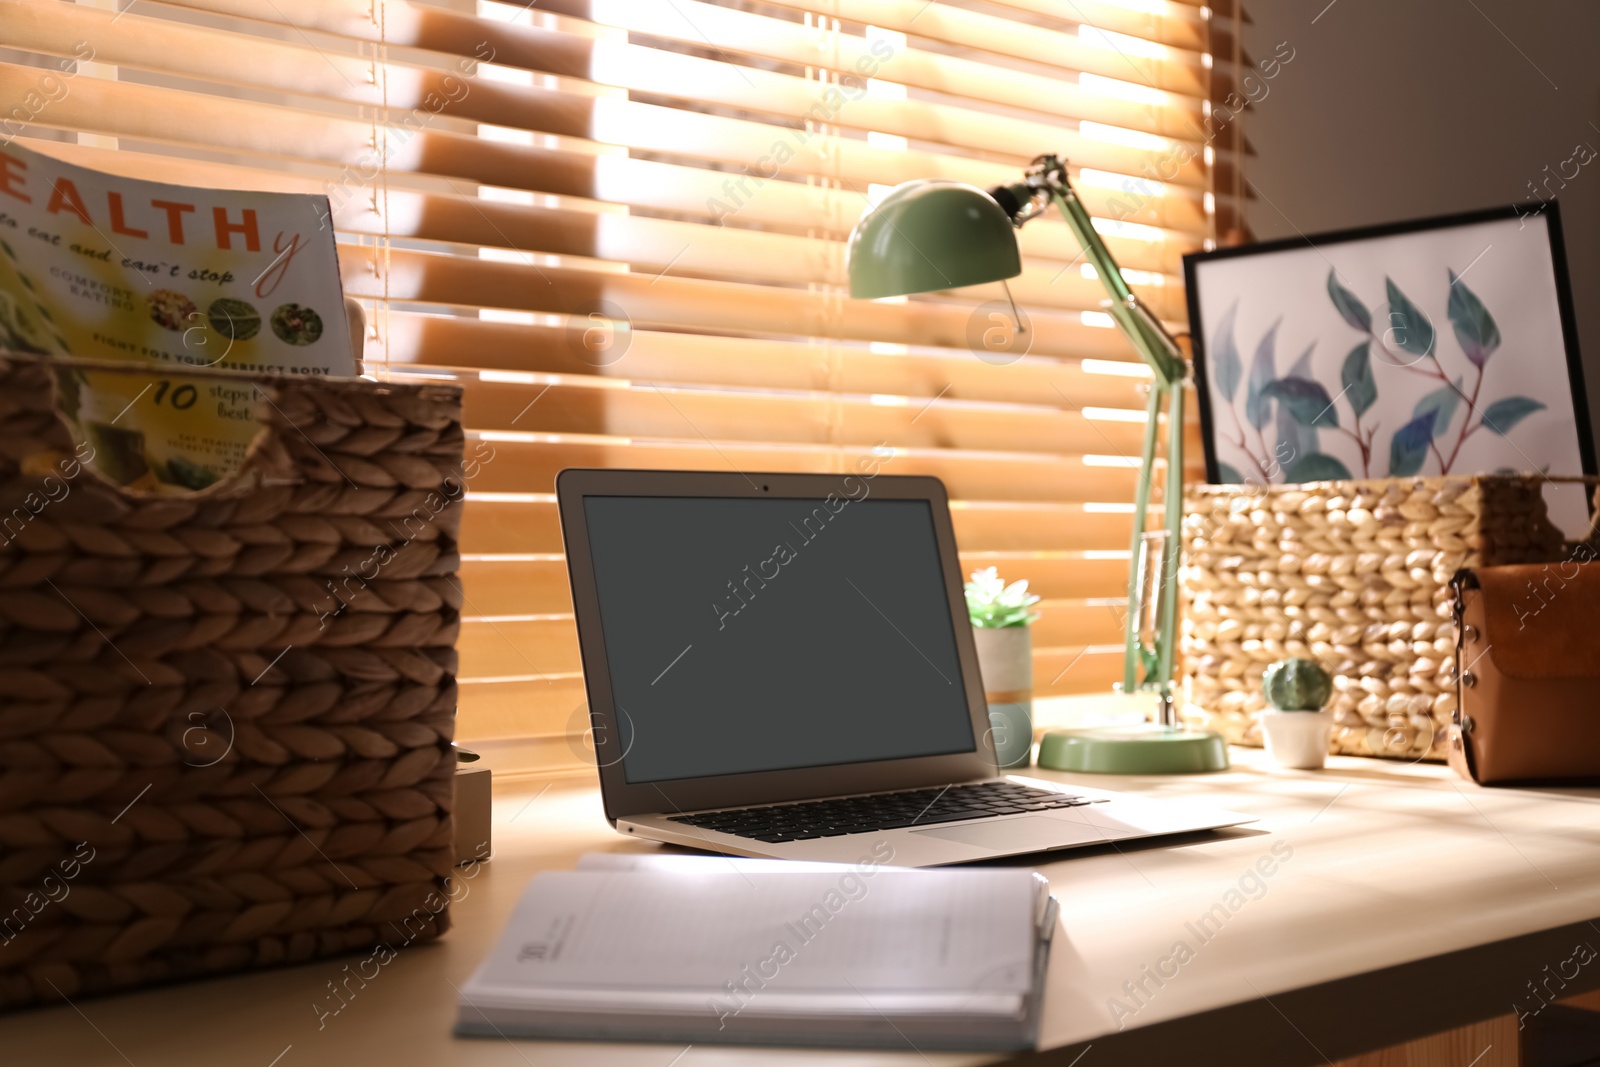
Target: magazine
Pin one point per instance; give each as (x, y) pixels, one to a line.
(104, 267)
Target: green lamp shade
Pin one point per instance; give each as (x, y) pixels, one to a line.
(927, 235)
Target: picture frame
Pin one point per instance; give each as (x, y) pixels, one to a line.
(1444, 345)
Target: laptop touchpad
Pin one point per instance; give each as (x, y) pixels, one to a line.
(1029, 833)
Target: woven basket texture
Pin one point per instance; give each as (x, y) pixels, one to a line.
(1355, 576)
(218, 750)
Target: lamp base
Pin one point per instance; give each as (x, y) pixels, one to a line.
(1137, 748)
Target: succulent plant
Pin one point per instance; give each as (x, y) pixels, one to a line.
(992, 604)
(1296, 685)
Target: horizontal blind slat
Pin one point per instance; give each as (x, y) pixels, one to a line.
(754, 363)
(698, 23)
(190, 119)
(554, 712)
(656, 356)
(468, 219)
(159, 45)
(618, 409)
(532, 466)
(712, 306)
(1176, 24)
(204, 120)
(492, 587)
(500, 527)
(1180, 72)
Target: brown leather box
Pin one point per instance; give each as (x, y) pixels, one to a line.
(1528, 645)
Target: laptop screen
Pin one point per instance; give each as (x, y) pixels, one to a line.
(771, 634)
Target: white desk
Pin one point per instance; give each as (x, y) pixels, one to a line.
(1393, 869)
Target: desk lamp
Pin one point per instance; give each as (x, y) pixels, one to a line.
(930, 235)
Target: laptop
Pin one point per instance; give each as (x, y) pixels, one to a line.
(781, 665)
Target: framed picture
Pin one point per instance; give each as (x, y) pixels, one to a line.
(1440, 346)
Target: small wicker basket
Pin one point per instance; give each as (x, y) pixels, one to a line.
(1354, 575)
(217, 751)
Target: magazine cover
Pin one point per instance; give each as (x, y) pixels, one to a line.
(98, 266)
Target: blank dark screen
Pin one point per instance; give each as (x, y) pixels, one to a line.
(766, 634)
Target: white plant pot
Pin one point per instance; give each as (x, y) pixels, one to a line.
(1005, 660)
(1297, 738)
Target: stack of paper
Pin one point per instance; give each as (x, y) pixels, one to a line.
(696, 949)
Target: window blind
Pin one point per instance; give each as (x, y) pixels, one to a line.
(620, 225)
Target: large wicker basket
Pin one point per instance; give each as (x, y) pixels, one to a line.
(217, 751)
(1353, 575)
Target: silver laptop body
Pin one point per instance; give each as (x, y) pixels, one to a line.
(781, 665)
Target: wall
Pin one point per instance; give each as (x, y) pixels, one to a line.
(1393, 110)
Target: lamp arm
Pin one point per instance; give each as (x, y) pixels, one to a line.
(1047, 177)
(1131, 659)
(1149, 337)
(1167, 625)
(1161, 352)
(1045, 181)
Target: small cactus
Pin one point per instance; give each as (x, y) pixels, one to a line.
(1296, 685)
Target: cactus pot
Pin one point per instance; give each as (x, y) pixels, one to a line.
(1297, 739)
(1005, 660)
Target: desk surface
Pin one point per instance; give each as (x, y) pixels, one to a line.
(1382, 871)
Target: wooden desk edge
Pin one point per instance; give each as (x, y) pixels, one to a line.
(1313, 1025)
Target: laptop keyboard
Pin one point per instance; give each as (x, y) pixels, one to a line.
(880, 811)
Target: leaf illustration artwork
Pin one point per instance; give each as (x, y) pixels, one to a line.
(1409, 448)
(1356, 377)
(1475, 327)
(1296, 437)
(1257, 405)
(1502, 415)
(1442, 402)
(1408, 326)
(1226, 368)
(1307, 400)
(1317, 467)
(1349, 306)
(1227, 474)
